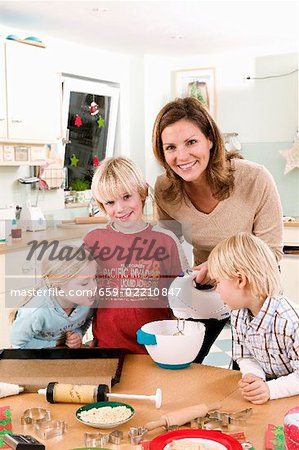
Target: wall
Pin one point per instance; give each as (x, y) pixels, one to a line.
(125, 69)
(263, 112)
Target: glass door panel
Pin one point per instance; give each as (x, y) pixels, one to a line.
(90, 116)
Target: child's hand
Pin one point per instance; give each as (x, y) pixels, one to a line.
(92, 343)
(254, 389)
(60, 342)
(247, 379)
(73, 340)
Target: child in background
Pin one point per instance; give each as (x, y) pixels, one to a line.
(60, 310)
(264, 323)
(136, 260)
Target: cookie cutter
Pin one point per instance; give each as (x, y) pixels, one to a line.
(98, 440)
(115, 437)
(222, 420)
(35, 416)
(236, 418)
(172, 427)
(50, 428)
(136, 435)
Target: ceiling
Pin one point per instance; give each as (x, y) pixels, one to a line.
(167, 27)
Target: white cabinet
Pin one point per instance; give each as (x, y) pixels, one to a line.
(289, 267)
(3, 112)
(290, 264)
(19, 272)
(33, 95)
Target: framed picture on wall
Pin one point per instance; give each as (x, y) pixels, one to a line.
(198, 83)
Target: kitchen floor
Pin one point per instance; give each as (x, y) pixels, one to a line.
(221, 351)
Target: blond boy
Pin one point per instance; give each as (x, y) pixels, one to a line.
(264, 323)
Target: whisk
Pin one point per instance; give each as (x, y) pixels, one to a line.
(180, 325)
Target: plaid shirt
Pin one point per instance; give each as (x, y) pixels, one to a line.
(271, 337)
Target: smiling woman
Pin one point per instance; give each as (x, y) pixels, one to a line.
(216, 191)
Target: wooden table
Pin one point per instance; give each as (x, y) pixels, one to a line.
(196, 384)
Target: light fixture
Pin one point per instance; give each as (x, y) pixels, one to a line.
(177, 36)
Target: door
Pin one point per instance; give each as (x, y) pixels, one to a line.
(89, 119)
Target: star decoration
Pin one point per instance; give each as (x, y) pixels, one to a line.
(95, 161)
(292, 156)
(74, 160)
(101, 122)
(78, 121)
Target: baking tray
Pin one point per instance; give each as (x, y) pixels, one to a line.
(35, 368)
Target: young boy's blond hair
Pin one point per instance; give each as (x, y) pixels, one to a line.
(246, 254)
(116, 176)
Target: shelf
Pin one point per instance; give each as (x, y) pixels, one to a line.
(29, 42)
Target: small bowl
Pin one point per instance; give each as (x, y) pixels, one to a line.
(100, 405)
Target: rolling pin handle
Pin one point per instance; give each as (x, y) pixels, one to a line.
(102, 392)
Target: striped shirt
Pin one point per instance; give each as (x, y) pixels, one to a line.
(268, 344)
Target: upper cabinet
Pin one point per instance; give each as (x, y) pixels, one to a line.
(30, 100)
(3, 112)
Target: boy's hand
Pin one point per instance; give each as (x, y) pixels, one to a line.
(254, 389)
(73, 339)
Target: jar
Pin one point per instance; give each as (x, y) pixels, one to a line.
(291, 429)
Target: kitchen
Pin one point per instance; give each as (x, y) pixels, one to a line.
(262, 112)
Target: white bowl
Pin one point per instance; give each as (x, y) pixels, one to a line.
(169, 351)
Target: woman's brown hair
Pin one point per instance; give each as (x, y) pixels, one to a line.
(219, 171)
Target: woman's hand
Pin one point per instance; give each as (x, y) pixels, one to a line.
(254, 389)
(203, 276)
(73, 339)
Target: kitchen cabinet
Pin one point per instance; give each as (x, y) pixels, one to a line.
(290, 263)
(19, 273)
(30, 104)
(3, 111)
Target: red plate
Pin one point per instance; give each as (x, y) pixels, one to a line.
(160, 442)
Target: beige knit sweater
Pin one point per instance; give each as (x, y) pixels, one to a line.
(254, 207)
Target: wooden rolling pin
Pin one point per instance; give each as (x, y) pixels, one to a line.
(182, 416)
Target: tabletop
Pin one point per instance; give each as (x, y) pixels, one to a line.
(193, 385)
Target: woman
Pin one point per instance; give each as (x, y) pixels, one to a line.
(214, 191)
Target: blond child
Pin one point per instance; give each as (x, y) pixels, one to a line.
(59, 310)
(264, 323)
(136, 260)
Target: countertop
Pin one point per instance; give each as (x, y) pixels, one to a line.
(292, 224)
(69, 230)
(61, 232)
